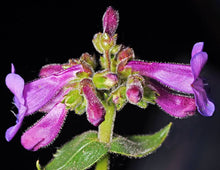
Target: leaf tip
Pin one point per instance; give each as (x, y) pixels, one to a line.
(38, 166)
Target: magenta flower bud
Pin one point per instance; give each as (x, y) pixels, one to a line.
(95, 110)
(135, 89)
(110, 21)
(134, 94)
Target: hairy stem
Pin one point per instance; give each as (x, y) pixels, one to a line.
(105, 134)
(103, 164)
(107, 59)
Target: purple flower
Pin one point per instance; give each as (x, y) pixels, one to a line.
(198, 60)
(176, 105)
(16, 84)
(181, 78)
(43, 94)
(95, 110)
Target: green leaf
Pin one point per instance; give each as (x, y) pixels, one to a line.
(139, 145)
(80, 153)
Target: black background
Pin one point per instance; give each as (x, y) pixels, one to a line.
(35, 33)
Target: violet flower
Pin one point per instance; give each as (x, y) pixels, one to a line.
(181, 78)
(43, 94)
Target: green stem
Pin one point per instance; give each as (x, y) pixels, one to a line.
(103, 164)
(105, 134)
(107, 59)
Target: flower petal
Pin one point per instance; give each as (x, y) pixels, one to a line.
(50, 69)
(197, 62)
(204, 105)
(176, 76)
(46, 130)
(56, 99)
(95, 110)
(198, 47)
(11, 132)
(41, 91)
(175, 105)
(16, 85)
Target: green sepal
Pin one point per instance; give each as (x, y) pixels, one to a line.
(81, 108)
(103, 42)
(138, 146)
(115, 49)
(149, 96)
(96, 42)
(81, 75)
(86, 57)
(104, 80)
(107, 42)
(122, 72)
(118, 97)
(142, 104)
(113, 65)
(80, 153)
(102, 61)
(99, 82)
(73, 99)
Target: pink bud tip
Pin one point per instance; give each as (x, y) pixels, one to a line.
(110, 21)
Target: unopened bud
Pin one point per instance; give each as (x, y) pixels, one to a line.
(103, 42)
(110, 21)
(95, 110)
(134, 91)
(88, 59)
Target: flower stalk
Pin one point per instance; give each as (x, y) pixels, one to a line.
(105, 133)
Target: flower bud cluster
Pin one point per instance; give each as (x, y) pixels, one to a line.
(114, 83)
